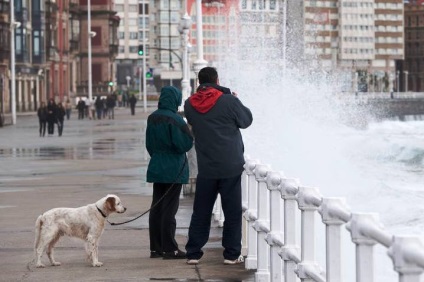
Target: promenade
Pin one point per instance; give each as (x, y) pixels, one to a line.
(91, 159)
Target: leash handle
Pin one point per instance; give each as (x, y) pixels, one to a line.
(161, 198)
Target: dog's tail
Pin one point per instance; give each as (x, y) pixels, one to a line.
(38, 226)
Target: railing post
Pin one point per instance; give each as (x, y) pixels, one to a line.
(275, 237)
(334, 213)
(309, 199)
(290, 251)
(262, 224)
(405, 252)
(364, 245)
(251, 215)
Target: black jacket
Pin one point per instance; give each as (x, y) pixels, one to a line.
(218, 141)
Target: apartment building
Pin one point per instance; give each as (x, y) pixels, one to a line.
(365, 36)
(411, 70)
(133, 27)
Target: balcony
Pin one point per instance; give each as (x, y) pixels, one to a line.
(98, 89)
(73, 45)
(113, 49)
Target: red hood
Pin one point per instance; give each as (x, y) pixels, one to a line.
(204, 99)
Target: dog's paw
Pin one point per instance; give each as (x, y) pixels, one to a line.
(40, 265)
(56, 263)
(98, 264)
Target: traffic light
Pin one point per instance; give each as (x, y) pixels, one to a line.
(149, 73)
(110, 83)
(140, 50)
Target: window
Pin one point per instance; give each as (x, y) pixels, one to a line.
(133, 49)
(244, 4)
(119, 7)
(121, 35)
(36, 44)
(272, 4)
(133, 35)
(97, 40)
(133, 8)
(146, 9)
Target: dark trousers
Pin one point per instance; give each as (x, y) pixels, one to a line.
(204, 199)
(60, 127)
(80, 114)
(132, 110)
(43, 124)
(162, 223)
(50, 127)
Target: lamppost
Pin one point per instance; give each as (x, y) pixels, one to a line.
(200, 62)
(91, 34)
(13, 26)
(406, 80)
(184, 28)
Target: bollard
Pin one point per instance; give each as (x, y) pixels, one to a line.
(290, 251)
(407, 255)
(262, 224)
(309, 199)
(275, 238)
(334, 213)
(251, 215)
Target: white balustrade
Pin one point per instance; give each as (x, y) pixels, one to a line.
(272, 248)
(262, 224)
(251, 214)
(275, 238)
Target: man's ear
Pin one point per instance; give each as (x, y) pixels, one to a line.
(217, 81)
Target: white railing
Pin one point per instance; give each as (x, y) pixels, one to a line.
(271, 202)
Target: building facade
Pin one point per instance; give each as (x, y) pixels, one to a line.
(364, 36)
(104, 48)
(4, 59)
(411, 70)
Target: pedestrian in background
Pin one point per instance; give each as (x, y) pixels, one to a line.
(60, 117)
(111, 103)
(51, 116)
(133, 101)
(216, 116)
(68, 109)
(168, 138)
(81, 108)
(99, 107)
(42, 118)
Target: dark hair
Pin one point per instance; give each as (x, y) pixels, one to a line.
(208, 75)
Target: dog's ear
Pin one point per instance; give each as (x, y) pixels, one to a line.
(110, 204)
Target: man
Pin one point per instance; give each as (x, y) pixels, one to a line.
(168, 138)
(132, 101)
(216, 116)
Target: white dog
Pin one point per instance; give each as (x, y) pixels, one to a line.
(85, 222)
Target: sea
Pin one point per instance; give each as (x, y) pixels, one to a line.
(304, 128)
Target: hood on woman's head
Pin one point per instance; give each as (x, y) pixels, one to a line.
(170, 98)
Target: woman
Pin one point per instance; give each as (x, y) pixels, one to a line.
(168, 138)
(60, 116)
(68, 109)
(51, 116)
(42, 118)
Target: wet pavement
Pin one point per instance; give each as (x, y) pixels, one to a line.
(91, 159)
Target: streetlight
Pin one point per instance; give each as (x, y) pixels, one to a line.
(200, 62)
(406, 80)
(184, 28)
(91, 34)
(13, 26)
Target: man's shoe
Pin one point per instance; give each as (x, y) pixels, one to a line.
(193, 261)
(239, 260)
(154, 254)
(174, 255)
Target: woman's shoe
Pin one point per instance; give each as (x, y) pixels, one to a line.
(174, 255)
(154, 254)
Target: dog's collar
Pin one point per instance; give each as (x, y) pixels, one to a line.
(101, 212)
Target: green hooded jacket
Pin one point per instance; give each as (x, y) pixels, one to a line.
(168, 138)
